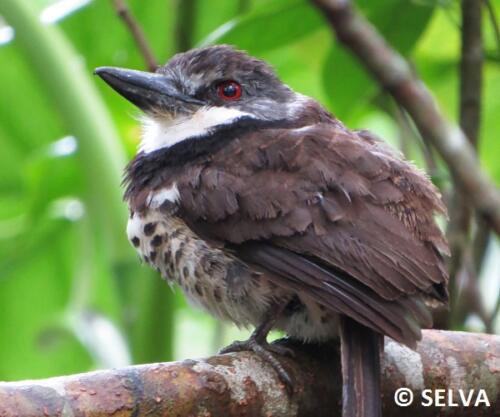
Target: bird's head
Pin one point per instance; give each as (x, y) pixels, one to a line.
(201, 90)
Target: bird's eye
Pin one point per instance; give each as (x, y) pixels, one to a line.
(229, 90)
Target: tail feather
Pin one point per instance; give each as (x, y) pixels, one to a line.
(361, 348)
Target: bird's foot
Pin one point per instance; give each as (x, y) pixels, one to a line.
(267, 352)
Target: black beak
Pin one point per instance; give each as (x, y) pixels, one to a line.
(146, 90)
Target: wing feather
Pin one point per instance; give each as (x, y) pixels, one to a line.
(400, 320)
(340, 197)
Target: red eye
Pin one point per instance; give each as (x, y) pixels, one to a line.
(229, 90)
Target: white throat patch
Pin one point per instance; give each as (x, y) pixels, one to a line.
(158, 133)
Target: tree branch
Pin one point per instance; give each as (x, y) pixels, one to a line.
(395, 75)
(459, 228)
(137, 33)
(242, 385)
(471, 65)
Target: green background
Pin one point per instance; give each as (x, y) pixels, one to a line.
(73, 295)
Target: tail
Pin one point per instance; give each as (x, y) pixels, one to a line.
(361, 348)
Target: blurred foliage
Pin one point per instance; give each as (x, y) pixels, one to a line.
(68, 303)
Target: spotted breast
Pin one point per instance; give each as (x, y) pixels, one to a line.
(213, 279)
(210, 277)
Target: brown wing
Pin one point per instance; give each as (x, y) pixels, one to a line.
(400, 319)
(340, 198)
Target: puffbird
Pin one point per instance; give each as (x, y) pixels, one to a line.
(268, 212)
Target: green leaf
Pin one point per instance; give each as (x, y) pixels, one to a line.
(299, 63)
(274, 25)
(211, 15)
(346, 83)
(33, 298)
(436, 59)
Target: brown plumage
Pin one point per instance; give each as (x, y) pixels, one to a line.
(338, 199)
(267, 211)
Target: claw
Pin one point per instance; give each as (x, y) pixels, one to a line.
(281, 350)
(236, 346)
(266, 352)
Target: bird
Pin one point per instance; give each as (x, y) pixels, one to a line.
(268, 212)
